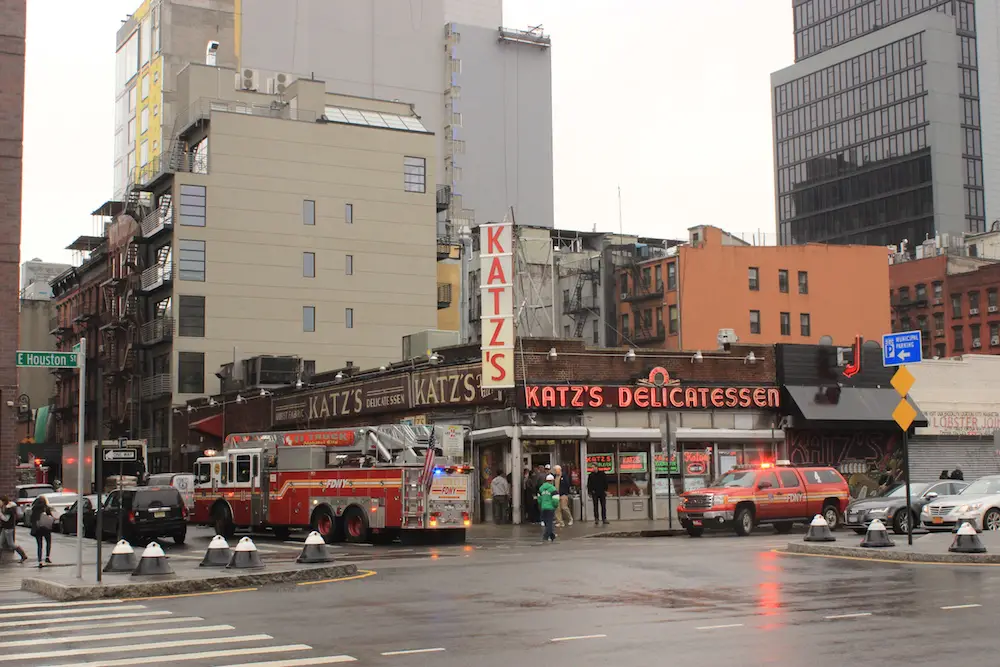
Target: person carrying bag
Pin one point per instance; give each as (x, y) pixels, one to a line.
(41, 528)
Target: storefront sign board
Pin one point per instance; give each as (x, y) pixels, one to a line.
(345, 400)
(496, 265)
(631, 462)
(579, 397)
(605, 462)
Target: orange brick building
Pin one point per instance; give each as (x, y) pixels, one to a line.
(765, 294)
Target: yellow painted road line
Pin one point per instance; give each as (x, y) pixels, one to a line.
(362, 574)
(884, 560)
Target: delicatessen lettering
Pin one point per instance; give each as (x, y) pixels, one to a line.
(570, 397)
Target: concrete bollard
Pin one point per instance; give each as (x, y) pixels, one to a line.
(217, 554)
(877, 536)
(315, 550)
(122, 558)
(245, 555)
(967, 541)
(153, 562)
(960, 523)
(819, 531)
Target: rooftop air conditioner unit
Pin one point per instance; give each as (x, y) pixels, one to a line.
(995, 340)
(973, 311)
(991, 309)
(976, 343)
(250, 79)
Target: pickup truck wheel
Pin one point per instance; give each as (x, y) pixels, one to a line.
(832, 516)
(783, 527)
(695, 531)
(744, 521)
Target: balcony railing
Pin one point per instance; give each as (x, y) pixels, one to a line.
(444, 295)
(651, 334)
(174, 159)
(646, 292)
(157, 331)
(156, 222)
(156, 276)
(156, 386)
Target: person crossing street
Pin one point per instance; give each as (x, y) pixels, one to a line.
(548, 501)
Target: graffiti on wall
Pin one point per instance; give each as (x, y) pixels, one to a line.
(868, 459)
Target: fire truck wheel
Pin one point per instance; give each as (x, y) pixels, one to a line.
(222, 520)
(355, 525)
(324, 523)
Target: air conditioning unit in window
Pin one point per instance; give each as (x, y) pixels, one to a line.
(938, 302)
(995, 340)
(973, 311)
(939, 333)
(991, 309)
(976, 343)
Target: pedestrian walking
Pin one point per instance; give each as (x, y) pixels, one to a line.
(597, 487)
(564, 517)
(501, 498)
(957, 473)
(8, 524)
(944, 475)
(548, 501)
(41, 528)
(528, 492)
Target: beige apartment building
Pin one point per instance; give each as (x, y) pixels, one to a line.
(296, 224)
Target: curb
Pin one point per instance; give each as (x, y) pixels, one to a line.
(173, 586)
(892, 555)
(665, 532)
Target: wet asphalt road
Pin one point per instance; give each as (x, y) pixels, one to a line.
(713, 601)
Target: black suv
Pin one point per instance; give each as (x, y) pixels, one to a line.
(145, 513)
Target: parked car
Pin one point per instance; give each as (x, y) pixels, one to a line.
(25, 494)
(59, 503)
(145, 513)
(978, 504)
(889, 506)
(67, 521)
(182, 481)
(779, 495)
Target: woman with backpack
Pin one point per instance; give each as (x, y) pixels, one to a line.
(41, 523)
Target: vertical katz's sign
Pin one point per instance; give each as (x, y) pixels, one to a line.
(496, 263)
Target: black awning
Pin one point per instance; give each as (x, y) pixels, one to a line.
(855, 404)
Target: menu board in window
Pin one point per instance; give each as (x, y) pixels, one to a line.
(631, 462)
(605, 462)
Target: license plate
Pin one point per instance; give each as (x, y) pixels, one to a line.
(159, 515)
(696, 522)
(937, 519)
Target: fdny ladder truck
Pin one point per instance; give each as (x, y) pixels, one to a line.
(364, 484)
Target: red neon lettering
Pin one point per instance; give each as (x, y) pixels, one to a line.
(717, 396)
(493, 240)
(561, 393)
(596, 397)
(496, 274)
(548, 397)
(676, 397)
(531, 397)
(745, 397)
(760, 398)
(732, 397)
(577, 400)
(641, 396)
(624, 397)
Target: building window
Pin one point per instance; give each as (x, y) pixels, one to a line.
(144, 120)
(349, 318)
(959, 343)
(973, 303)
(565, 331)
(939, 324)
(904, 324)
(904, 294)
(803, 282)
(143, 153)
(754, 276)
(349, 213)
(956, 305)
(597, 332)
(192, 317)
(624, 285)
(672, 276)
(308, 265)
(309, 319)
(145, 87)
(414, 174)
(308, 212)
(939, 350)
(191, 372)
(193, 201)
(786, 324)
(673, 320)
(805, 326)
(755, 321)
(991, 299)
(131, 131)
(938, 288)
(192, 260)
(647, 277)
(659, 277)
(349, 265)
(565, 300)
(624, 331)
(921, 292)
(922, 325)
(783, 280)
(659, 319)
(994, 334)
(974, 330)
(131, 98)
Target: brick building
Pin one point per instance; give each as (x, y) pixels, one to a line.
(12, 29)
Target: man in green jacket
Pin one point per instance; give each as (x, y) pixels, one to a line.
(548, 501)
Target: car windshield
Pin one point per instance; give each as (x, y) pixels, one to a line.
(986, 486)
(157, 498)
(36, 491)
(738, 478)
(899, 490)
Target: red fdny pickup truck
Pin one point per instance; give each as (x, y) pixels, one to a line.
(780, 495)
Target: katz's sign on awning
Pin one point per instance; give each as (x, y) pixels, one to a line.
(594, 397)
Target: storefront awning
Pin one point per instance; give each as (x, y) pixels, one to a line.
(855, 404)
(42, 424)
(209, 426)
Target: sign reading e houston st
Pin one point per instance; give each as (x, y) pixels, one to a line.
(577, 397)
(496, 265)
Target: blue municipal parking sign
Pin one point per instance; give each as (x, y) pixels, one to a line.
(902, 347)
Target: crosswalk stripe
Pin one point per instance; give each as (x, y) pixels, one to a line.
(124, 648)
(100, 617)
(60, 627)
(55, 605)
(298, 662)
(66, 611)
(203, 655)
(116, 635)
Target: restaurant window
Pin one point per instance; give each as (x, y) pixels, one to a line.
(626, 466)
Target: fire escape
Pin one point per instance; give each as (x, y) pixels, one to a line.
(582, 307)
(645, 297)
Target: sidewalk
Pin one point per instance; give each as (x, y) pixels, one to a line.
(579, 529)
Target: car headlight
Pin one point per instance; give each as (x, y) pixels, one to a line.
(926, 509)
(971, 507)
(720, 500)
(878, 510)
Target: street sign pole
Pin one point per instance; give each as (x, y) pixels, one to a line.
(81, 421)
(904, 414)
(909, 506)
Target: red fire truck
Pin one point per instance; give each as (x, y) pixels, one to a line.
(364, 484)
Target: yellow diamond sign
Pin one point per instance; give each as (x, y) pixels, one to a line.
(903, 381)
(904, 414)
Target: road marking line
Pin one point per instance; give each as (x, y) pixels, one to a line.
(93, 626)
(72, 610)
(858, 615)
(362, 574)
(884, 560)
(53, 605)
(73, 619)
(274, 545)
(204, 655)
(193, 595)
(719, 627)
(569, 639)
(298, 662)
(961, 606)
(124, 648)
(116, 635)
(413, 651)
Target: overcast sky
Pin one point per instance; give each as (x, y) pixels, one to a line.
(668, 99)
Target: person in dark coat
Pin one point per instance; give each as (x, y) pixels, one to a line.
(957, 473)
(41, 528)
(944, 475)
(597, 487)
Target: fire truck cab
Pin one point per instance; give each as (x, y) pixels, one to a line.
(366, 484)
